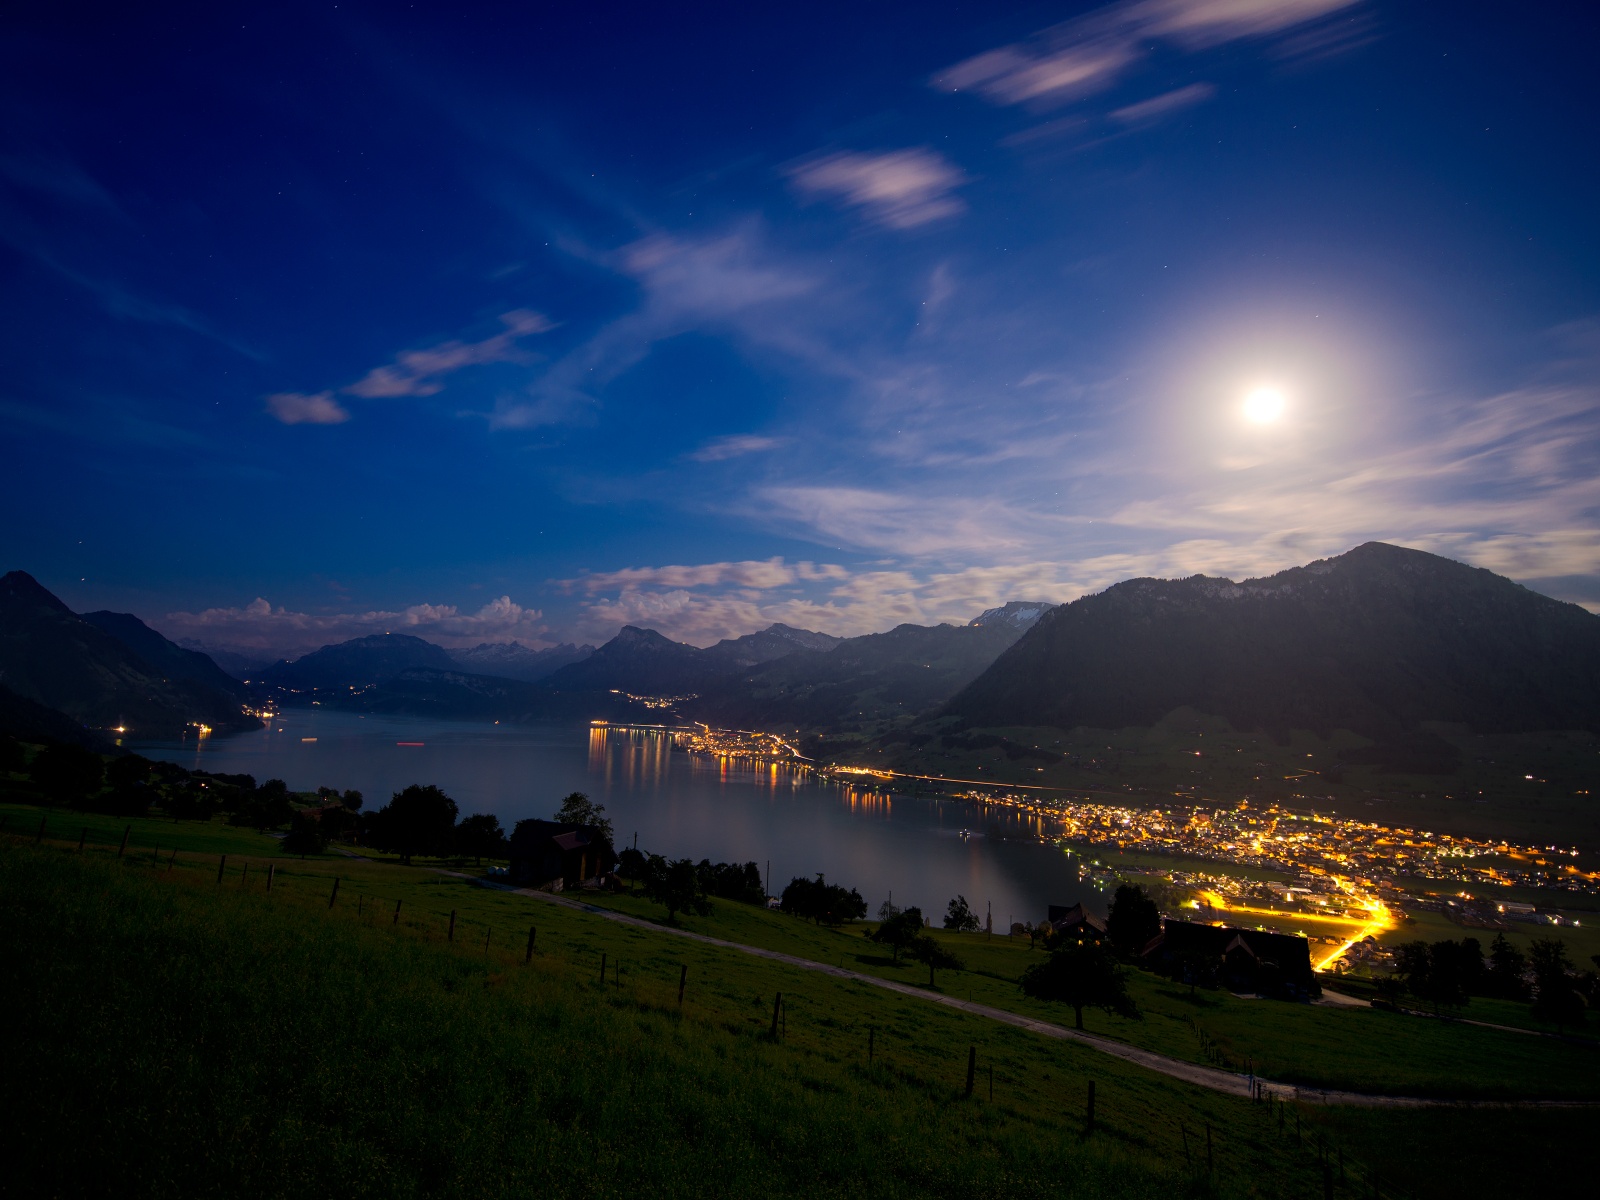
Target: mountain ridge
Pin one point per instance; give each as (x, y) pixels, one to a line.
(1376, 640)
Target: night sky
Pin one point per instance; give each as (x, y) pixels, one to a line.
(520, 321)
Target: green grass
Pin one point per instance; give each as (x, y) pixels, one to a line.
(1352, 1049)
(166, 1034)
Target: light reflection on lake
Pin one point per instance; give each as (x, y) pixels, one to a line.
(677, 803)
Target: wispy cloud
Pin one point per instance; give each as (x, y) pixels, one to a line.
(734, 446)
(298, 408)
(770, 573)
(901, 189)
(414, 372)
(1078, 58)
(422, 372)
(261, 628)
(1160, 106)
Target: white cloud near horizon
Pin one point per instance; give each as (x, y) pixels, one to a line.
(901, 188)
(260, 628)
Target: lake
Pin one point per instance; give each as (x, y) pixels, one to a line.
(678, 804)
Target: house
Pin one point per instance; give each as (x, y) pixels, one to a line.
(548, 854)
(1241, 960)
(1075, 924)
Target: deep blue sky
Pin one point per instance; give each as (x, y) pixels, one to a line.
(493, 321)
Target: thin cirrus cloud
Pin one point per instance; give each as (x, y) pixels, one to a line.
(758, 574)
(1078, 58)
(1165, 104)
(734, 446)
(901, 189)
(414, 372)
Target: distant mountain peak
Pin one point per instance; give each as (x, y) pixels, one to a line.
(1018, 613)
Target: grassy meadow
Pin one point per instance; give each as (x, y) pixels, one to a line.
(169, 1034)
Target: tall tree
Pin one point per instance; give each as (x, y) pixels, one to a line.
(578, 809)
(480, 835)
(929, 950)
(1555, 994)
(959, 917)
(1133, 920)
(899, 930)
(419, 820)
(1507, 966)
(675, 884)
(1082, 976)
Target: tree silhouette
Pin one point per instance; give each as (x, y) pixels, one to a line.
(480, 835)
(419, 820)
(899, 930)
(959, 917)
(578, 809)
(927, 949)
(1083, 976)
(1133, 920)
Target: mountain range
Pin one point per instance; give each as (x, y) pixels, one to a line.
(1377, 641)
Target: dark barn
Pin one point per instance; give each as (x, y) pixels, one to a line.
(548, 854)
(1241, 960)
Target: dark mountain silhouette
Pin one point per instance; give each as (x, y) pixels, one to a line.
(908, 670)
(1376, 641)
(53, 657)
(359, 662)
(510, 660)
(639, 661)
(170, 659)
(775, 641)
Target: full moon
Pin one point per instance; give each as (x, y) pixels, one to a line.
(1263, 405)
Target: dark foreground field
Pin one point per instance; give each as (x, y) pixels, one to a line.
(165, 1036)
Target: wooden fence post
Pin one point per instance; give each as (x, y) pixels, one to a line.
(777, 1007)
(451, 936)
(683, 978)
(222, 865)
(487, 934)
(528, 957)
(972, 1066)
(81, 838)
(1089, 1123)
(122, 848)
(272, 869)
(1184, 1130)
(396, 920)
(245, 876)
(334, 895)
(602, 968)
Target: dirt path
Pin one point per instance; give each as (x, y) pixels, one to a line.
(1216, 1080)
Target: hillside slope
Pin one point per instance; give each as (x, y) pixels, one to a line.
(50, 655)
